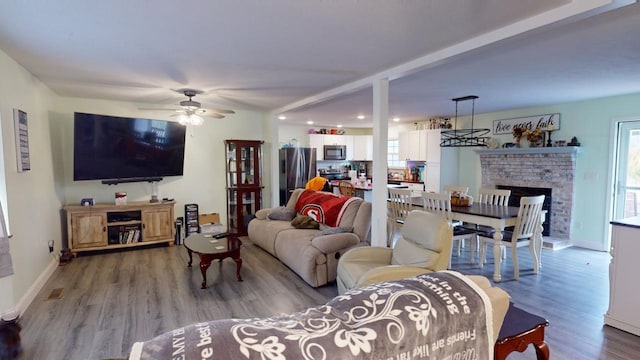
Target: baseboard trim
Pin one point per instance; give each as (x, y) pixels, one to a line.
(35, 288)
(588, 245)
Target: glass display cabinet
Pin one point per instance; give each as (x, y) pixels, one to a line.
(244, 182)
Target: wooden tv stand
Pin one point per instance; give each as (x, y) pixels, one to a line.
(108, 226)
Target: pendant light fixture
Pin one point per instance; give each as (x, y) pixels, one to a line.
(464, 137)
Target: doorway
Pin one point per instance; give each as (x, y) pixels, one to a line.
(626, 177)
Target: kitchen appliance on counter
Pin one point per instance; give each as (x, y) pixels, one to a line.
(334, 173)
(297, 167)
(335, 152)
(362, 169)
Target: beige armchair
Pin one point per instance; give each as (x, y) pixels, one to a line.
(424, 245)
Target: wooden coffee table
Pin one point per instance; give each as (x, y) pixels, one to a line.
(210, 248)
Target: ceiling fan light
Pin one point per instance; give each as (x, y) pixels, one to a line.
(183, 119)
(196, 119)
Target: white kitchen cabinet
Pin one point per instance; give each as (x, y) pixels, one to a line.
(432, 146)
(420, 145)
(403, 145)
(413, 145)
(317, 141)
(441, 164)
(432, 177)
(350, 147)
(336, 139)
(623, 276)
(416, 188)
(362, 147)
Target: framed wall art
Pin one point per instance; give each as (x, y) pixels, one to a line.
(21, 125)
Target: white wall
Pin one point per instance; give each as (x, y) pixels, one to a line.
(589, 121)
(287, 133)
(203, 181)
(34, 197)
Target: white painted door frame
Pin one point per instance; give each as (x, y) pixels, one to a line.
(613, 184)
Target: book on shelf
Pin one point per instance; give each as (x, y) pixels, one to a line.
(136, 236)
(129, 235)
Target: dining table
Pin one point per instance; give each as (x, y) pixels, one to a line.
(498, 217)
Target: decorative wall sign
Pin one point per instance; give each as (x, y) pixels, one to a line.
(20, 124)
(545, 122)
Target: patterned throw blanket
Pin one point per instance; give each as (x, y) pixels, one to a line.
(323, 207)
(439, 315)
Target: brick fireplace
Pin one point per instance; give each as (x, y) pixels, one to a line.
(551, 168)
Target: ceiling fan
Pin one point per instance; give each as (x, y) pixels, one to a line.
(190, 111)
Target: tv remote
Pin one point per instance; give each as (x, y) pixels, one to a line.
(221, 235)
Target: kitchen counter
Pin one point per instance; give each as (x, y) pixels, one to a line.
(631, 222)
(364, 191)
(397, 182)
(369, 187)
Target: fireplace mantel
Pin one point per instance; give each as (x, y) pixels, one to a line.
(531, 150)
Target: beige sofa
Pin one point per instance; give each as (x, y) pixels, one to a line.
(313, 258)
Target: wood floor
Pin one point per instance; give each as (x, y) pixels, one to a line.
(110, 300)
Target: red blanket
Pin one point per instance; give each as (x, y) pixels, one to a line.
(323, 207)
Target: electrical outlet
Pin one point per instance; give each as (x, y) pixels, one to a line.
(51, 242)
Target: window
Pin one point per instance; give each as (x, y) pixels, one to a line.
(393, 154)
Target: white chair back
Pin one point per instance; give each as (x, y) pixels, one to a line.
(439, 204)
(528, 217)
(399, 204)
(494, 196)
(346, 188)
(450, 189)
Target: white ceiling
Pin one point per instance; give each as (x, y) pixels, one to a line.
(289, 54)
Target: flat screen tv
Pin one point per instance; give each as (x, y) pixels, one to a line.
(127, 149)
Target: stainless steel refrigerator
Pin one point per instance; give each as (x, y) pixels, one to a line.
(297, 166)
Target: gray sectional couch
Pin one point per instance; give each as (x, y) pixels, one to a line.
(314, 258)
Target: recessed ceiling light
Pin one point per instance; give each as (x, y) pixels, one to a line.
(396, 119)
(309, 122)
(339, 126)
(360, 117)
(282, 117)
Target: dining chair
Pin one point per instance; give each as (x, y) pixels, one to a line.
(450, 189)
(490, 196)
(523, 234)
(460, 190)
(346, 188)
(440, 204)
(493, 196)
(399, 207)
